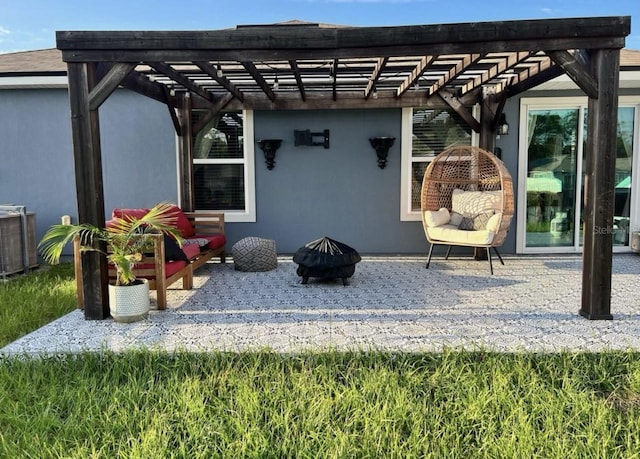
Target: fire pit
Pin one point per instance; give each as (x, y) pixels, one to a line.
(327, 259)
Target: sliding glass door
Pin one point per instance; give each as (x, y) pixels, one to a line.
(554, 141)
(552, 158)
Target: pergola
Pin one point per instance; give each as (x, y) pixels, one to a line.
(306, 66)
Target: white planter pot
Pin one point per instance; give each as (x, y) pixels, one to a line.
(129, 303)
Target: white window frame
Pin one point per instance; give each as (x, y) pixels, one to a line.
(580, 103)
(407, 160)
(248, 160)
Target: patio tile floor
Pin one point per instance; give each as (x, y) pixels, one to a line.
(391, 303)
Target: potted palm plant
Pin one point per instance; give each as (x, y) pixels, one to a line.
(126, 243)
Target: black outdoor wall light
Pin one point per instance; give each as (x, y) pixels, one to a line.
(269, 148)
(503, 126)
(381, 145)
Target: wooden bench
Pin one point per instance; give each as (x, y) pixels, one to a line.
(161, 273)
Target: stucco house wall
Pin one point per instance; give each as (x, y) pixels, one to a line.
(338, 192)
(36, 153)
(312, 192)
(36, 164)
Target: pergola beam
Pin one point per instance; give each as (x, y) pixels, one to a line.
(296, 73)
(109, 83)
(347, 100)
(179, 78)
(350, 41)
(334, 83)
(532, 81)
(460, 109)
(207, 68)
(173, 106)
(259, 79)
(576, 71)
(137, 82)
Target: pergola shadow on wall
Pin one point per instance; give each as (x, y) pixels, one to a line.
(303, 66)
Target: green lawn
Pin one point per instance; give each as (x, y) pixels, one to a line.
(453, 404)
(262, 404)
(28, 302)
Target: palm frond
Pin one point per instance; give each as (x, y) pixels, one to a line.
(58, 236)
(125, 238)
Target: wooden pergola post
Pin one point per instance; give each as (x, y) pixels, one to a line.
(85, 128)
(599, 178)
(487, 140)
(185, 152)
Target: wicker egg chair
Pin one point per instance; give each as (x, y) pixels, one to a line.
(467, 169)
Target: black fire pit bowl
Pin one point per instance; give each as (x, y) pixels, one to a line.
(326, 259)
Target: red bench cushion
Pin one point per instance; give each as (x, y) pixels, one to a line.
(170, 268)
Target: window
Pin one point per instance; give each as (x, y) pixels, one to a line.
(223, 166)
(425, 133)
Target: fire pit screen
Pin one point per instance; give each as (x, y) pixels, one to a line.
(327, 259)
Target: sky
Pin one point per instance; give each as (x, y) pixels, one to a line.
(31, 24)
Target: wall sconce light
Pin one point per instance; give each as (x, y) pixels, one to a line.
(381, 145)
(269, 148)
(503, 126)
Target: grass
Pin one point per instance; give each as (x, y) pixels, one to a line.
(332, 404)
(454, 404)
(30, 301)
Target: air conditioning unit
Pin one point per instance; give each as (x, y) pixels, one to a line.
(635, 241)
(17, 240)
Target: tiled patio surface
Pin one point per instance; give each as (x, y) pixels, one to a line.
(531, 304)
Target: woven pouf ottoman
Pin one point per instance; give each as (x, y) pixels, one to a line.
(254, 254)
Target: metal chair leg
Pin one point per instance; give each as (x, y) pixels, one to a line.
(490, 264)
(498, 253)
(448, 252)
(430, 252)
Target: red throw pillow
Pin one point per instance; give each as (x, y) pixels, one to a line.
(182, 222)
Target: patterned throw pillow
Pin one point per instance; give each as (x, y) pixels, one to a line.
(480, 220)
(201, 241)
(466, 224)
(476, 223)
